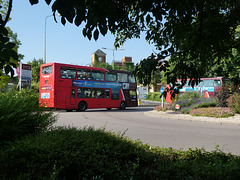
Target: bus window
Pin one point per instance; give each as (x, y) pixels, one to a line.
(98, 93)
(111, 77)
(98, 75)
(115, 94)
(84, 74)
(107, 93)
(73, 93)
(122, 77)
(200, 84)
(217, 83)
(133, 94)
(47, 70)
(132, 78)
(68, 73)
(83, 92)
(208, 83)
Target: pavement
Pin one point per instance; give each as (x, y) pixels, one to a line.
(173, 115)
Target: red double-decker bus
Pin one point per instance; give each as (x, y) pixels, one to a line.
(73, 87)
(208, 86)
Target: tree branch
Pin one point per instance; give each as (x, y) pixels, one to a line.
(8, 13)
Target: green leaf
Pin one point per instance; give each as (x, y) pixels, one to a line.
(103, 29)
(4, 31)
(96, 34)
(63, 20)
(13, 54)
(7, 69)
(84, 31)
(78, 20)
(148, 18)
(48, 1)
(10, 45)
(89, 34)
(33, 2)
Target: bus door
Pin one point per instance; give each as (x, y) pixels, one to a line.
(71, 101)
(98, 98)
(131, 97)
(73, 97)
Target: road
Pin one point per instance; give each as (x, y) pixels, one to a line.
(158, 131)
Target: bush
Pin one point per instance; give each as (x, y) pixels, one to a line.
(234, 102)
(154, 96)
(96, 154)
(189, 95)
(20, 115)
(222, 96)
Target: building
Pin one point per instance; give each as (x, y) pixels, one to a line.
(100, 57)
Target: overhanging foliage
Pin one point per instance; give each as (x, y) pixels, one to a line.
(190, 33)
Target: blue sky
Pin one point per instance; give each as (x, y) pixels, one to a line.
(65, 44)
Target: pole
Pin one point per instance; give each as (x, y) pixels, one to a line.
(45, 38)
(113, 59)
(161, 91)
(20, 85)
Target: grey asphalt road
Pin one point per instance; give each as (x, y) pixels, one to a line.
(158, 131)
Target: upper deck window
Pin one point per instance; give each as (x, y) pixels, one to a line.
(111, 76)
(132, 78)
(208, 83)
(47, 70)
(217, 83)
(98, 75)
(122, 77)
(68, 72)
(84, 74)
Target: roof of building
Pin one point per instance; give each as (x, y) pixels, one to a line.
(99, 52)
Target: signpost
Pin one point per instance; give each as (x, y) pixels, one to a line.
(161, 90)
(24, 72)
(142, 92)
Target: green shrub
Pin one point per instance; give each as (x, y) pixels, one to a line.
(20, 115)
(222, 96)
(189, 96)
(234, 102)
(154, 96)
(96, 154)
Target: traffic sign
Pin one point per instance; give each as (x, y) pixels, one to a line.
(161, 90)
(177, 106)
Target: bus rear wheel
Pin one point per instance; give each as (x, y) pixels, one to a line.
(122, 106)
(82, 106)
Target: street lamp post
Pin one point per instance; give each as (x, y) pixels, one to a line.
(113, 62)
(45, 37)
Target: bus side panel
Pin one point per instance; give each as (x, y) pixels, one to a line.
(64, 99)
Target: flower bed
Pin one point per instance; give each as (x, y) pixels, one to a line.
(218, 112)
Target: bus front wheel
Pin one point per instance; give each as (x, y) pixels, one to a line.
(82, 106)
(123, 105)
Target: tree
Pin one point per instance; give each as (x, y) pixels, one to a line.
(8, 54)
(190, 33)
(36, 69)
(36, 72)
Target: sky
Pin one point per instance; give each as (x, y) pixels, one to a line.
(65, 44)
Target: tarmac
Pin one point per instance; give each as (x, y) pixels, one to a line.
(186, 117)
